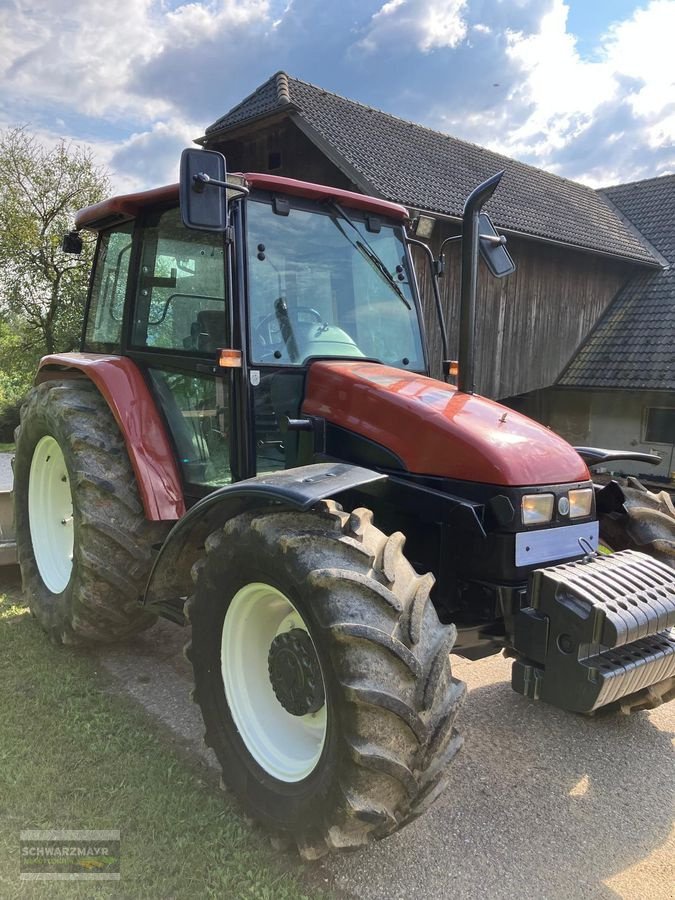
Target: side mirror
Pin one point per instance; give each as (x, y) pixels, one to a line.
(203, 198)
(71, 243)
(492, 249)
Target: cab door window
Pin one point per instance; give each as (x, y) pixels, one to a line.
(180, 296)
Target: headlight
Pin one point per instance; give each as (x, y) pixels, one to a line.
(537, 508)
(581, 502)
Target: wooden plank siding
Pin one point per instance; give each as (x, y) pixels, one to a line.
(528, 325)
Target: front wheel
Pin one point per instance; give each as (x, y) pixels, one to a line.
(323, 675)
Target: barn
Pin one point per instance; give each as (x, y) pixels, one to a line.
(575, 250)
(619, 387)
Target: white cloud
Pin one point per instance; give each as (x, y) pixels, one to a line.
(150, 158)
(79, 54)
(425, 24)
(642, 48)
(561, 86)
(507, 74)
(88, 54)
(70, 62)
(625, 92)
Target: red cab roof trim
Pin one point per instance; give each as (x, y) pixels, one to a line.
(128, 206)
(323, 192)
(121, 209)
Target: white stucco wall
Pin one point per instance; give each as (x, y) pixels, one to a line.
(610, 419)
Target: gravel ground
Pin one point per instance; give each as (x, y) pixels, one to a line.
(543, 804)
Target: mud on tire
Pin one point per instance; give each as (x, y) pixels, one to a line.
(112, 540)
(384, 657)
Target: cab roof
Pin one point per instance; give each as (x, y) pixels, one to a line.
(127, 206)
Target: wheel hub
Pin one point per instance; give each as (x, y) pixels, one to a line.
(295, 673)
(50, 514)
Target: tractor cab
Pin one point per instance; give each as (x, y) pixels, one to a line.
(225, 323)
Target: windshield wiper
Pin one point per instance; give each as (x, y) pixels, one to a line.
(285, 327)
(367, 252)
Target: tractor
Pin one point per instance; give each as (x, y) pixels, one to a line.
(249, 443)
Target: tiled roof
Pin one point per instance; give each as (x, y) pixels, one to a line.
(633, 345)
(428, 170)
(650, 206)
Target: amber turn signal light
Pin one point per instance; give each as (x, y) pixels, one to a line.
(229, 359)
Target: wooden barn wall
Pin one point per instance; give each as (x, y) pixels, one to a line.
(528, 324)
(297, 155)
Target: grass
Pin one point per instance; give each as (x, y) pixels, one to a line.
(72, 755)
(7, 448)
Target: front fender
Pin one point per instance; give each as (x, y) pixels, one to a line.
(170, 580)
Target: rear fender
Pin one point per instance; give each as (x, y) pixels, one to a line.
(298, 489)
(151, 453)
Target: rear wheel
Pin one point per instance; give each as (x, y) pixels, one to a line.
(648, 523)
(84, 544)
(323, 675)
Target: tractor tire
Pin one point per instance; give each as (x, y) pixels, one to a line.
(323, 675)
(84, 545)
(647, 525)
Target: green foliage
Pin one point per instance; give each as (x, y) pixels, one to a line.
(42, 289)
(10, 405)
(18, 360)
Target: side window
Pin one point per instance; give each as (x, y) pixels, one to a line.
(180, 297)
(108, 290)
(197, 410)
(659, 425)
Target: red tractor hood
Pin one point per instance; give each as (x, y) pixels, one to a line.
(436, 430)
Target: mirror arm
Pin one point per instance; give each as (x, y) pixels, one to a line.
(449, 240)
(437, 296)
(200, 181)
(493, 238)
(440, 262)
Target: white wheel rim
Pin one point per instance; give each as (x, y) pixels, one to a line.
(287, 747)
(50, 514)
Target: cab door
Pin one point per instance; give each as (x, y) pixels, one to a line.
(178, 319)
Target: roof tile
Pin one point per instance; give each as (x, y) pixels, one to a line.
(633, 346)
(428, 170)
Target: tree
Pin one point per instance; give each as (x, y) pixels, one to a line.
(42, 289)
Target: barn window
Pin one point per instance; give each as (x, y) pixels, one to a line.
(660, 425)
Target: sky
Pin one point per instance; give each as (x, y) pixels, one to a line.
(584, 88)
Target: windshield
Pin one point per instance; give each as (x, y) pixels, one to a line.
(324, 285)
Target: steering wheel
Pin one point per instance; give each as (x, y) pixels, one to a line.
(263, 331)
